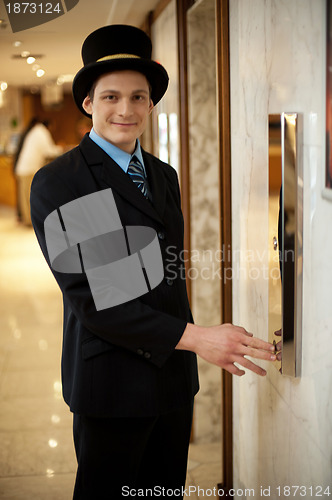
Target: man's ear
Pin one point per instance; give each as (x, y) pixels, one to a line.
(87, 105)
(151, 106)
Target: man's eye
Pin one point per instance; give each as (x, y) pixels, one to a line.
(139, 98)
(110, 97)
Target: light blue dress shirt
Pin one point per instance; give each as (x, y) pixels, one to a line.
(118, 155)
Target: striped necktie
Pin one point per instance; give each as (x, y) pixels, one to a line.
(137, 174)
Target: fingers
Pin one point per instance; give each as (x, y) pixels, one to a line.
(256, 343)
(278, 345)
(234, 370)
(251, 366)
(228, 346)
(278, 351)
(258, 349)
(259, 354)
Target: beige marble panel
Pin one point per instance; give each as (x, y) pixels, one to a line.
(204, 198)
(282, 426)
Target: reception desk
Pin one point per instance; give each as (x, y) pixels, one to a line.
(7, 181)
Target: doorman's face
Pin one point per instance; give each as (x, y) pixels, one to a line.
(120, 108)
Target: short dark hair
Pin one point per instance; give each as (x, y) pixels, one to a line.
(91, 92)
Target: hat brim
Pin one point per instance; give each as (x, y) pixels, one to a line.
(154, 72)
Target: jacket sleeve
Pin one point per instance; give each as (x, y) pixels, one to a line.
(133, 325)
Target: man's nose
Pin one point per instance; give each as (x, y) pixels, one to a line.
(125, 107)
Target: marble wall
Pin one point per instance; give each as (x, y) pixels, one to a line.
(204, 271)
(282, 426)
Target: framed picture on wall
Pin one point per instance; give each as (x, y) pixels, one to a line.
(327, 191)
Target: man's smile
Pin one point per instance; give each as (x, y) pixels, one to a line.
(123, 124)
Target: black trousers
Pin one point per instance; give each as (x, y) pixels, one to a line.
(123, 457)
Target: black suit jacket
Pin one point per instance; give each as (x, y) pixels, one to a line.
(121, 361)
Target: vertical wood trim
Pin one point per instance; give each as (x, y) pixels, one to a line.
(181, 8)
(223, 81)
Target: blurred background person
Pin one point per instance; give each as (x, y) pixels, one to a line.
(31, 124)
(35, 149)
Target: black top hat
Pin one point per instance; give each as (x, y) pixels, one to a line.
(113, 48)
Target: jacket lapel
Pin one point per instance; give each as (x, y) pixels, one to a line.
(157, 183)
(108, 174)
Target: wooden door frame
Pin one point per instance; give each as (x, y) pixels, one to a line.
(182, 7)
(225, 183)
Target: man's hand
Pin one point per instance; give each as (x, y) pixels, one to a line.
(224, 345)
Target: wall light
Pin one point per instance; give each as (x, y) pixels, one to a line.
(3, 86)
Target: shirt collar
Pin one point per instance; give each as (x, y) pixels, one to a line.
(118, 155)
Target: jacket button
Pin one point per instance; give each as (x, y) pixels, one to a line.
(161, 235)
(140, 352)
(147, 355)
(169, 281)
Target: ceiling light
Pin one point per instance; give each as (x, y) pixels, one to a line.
(35, 67)
(40, 73)
(3, 86)
(17, 43)
(25, 53)
(31, 60)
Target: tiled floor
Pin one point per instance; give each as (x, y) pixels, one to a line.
(37, 460)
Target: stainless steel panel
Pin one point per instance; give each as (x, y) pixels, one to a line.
(285, 237)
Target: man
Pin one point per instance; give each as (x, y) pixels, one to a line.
(129, 353)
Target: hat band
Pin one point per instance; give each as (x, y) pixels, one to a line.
(119, 56)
